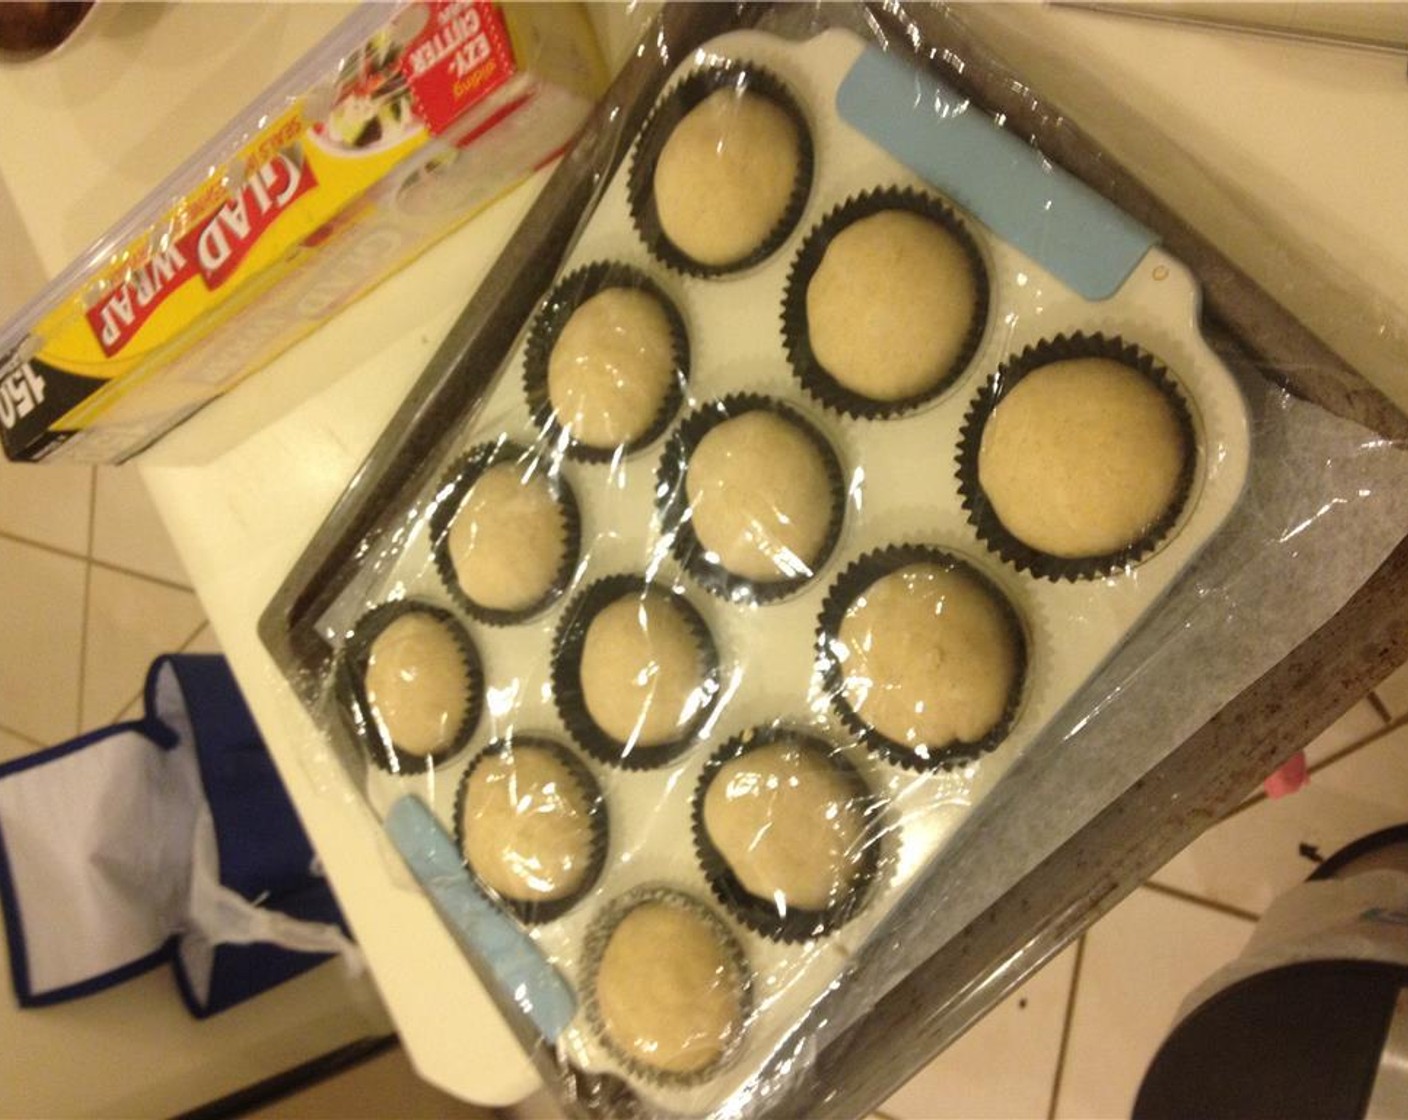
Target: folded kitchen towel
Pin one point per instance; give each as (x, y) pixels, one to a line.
(166, 839)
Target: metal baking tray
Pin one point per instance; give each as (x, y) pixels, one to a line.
(1106, 858)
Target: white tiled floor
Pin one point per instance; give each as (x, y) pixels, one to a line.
(1119, 995)
(49, 505)
(41, 659)
(1266, 847)
(975, 1078)
(12, 746)
(102, 592)
(127, 532)
(96, 591)
(1136, 966)
(130, 621)
(1394, 693)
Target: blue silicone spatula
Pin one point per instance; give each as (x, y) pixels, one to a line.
(506, 959)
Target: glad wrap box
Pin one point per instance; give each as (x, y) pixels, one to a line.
(403, 123)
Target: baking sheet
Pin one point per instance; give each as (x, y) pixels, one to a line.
(902, 489)
(1360, 523)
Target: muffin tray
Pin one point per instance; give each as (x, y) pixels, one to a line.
(900, 488)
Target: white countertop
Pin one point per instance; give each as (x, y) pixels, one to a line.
(1306, 138)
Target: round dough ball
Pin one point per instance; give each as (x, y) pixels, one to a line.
(891, 305)
(611, 368)
(1082, 457)
(642, 672)
(669, 989)
(417, 683)
(527, 825)
(759, 497)
(508, 539)
(726, 175)
(787, 824)
(928, 657)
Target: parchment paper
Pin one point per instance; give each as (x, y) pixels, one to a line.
(1326, 503)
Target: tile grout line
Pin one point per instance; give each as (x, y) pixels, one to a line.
(105, 564)
(143, 690)
(1379, 706)
(1223, 908)
(45, 546)
(195, 634)
(1340, 755)
(8, 730)
(92, 510)
(1066, 1023)
(1257, 799)
(1368, 741)
(160, 581)
(83, 647)
(87, 599)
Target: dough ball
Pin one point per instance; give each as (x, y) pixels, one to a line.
(642, 671)
(527, 825)
(759, 497)
(891, 305)
(611, 368)
(417, 683)
(508, 541)
(669, 989)
(788, 824)
(928, 657)
(1082, 457)
(726, 175)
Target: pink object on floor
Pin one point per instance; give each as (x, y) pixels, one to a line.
(1292, 777)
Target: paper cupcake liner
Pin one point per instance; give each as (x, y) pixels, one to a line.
(597, 939)
(672, 108)
(859, 576)
(761, 915)
(535, 911)
(566, 680)
(356, 709)
(450, 495)
(796, 332)
(984, 519)
(673, 500)
(571, 292)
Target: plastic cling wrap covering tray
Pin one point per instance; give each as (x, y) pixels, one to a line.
(974, 881)
(902, 501)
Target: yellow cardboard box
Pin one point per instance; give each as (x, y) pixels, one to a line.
(411, 119)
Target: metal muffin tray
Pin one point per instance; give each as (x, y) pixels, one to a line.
(901, 488)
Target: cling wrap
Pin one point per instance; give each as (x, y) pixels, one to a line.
(861, 512)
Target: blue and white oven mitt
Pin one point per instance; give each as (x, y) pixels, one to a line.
(169, 838)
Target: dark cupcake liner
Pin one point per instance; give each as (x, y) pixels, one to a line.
(597, 939)
(571, 292)
(672, 108)
(852, 582)
(534, 912)
(984, 519)
(673, 500)
(450, 495)
(566, 680)
(795, 331)
(351, 696)
(761, 915)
